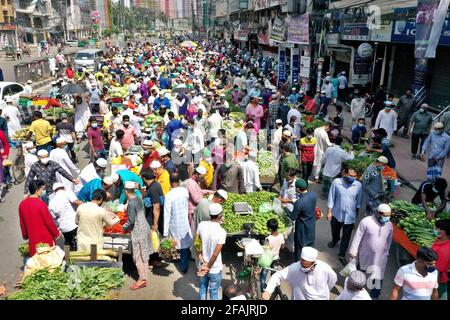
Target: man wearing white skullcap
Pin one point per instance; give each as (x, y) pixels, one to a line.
(93, 170)
(162, 176)
(87, 191)
(373, 186)
(371, 244)
(387, 119)
(61, 157)
(196, 194)
(30, 156)
(250, 173)
(212, 237)
(46, 170)
(310, 279)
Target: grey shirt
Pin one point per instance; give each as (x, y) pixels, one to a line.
(422, 122)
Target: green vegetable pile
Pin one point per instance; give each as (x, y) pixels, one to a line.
(82, 283)
(360, 164)
(314, 124)
(444, 215)
(237, 116)
(401, 209)
(234, 223)
(418, 228)
(265, 163)
(24, 249)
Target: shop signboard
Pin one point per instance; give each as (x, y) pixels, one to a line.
(261, 4)
(405, 31)
(263, 38)
(243, 35)
(298, 29)
(355, 31)
(383, 34)
(281, 65)
(361, 70)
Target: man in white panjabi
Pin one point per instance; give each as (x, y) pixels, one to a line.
(322, 143)
(61, 157)
(387, 119)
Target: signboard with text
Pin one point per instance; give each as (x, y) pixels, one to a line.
(281, 65)
(355, 31)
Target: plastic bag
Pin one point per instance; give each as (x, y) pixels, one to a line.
(154, 236)
(266, 259)
(198, 243)
(277, 206)
(265, 207)
(349, 268)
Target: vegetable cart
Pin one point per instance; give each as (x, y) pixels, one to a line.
(405, 251)
(117, 242)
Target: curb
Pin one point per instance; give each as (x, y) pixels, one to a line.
(42, 83)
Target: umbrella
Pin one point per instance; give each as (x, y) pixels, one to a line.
(73, 88)
(181, 88)
(188, 44)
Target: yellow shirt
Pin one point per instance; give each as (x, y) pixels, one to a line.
(42, 131)
(209, 172)
(164, 181)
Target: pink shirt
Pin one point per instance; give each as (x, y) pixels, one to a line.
(128, 138)
(255, 113)
(196, 194)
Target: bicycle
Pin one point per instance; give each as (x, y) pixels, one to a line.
(18, 168)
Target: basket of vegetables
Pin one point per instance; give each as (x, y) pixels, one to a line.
(168, 250)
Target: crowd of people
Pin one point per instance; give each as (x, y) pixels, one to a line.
(190, 164)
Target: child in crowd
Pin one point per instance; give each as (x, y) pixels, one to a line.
(275, 242)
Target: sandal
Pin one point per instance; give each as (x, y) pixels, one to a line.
(137, 286)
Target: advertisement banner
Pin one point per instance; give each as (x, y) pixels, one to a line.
(355, 31)
(361, 70)
(281, 65)
(295, 64)
(420, 75)
(261, 4)
(305, 64)
(404, 31)
(278, 31)
(263, 38)
(243, 35)
(429, 21)
(298, 29)
(383, 34)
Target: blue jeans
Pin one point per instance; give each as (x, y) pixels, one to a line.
(184, 260)
(101, 154)
(213, 281)
(48, 146)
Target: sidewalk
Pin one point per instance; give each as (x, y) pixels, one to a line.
(412, 170)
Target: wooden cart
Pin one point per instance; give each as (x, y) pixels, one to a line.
(405, 250)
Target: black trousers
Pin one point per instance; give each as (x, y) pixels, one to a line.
(307, 169)
(298, 249)
(70, 239)
(73, 155)
(415, 139)
(336, 227)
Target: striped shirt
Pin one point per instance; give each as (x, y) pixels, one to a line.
(414, 285)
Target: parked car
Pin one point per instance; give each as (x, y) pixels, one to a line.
(89, 59)
(12, 89)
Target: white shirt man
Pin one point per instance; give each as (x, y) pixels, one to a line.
(28, 89)
(90, 173)
(387, 119)
(195, 141)
(30, 157)
(354, 287)
(61, 157)
(12, 115)
(115, 149)
(333, 158)
(214, 123)
(250, 173)
(312, 283)
(322, 143)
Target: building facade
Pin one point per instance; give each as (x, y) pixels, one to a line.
(7, 27)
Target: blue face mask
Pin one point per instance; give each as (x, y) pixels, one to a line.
(384, 219)
(436, 233)
(361, 125)
(349, 180)
(430, 269)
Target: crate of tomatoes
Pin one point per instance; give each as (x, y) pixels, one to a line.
(115, 237)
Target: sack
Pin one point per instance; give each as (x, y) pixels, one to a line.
(319, 213)
(265, 207)
(349, 268)
(154, 236)
(266, 259)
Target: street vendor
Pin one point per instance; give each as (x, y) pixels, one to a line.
(120, 178)
(428, 192)
(87, 191)
(373, 185)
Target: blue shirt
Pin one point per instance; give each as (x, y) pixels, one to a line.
(358, 133)
(171, 127)
(344, 199)
(293, 98)
(126, 175)
(95, 96)
(86, 192)
(158, 103)
(164, 83)
(436, 145)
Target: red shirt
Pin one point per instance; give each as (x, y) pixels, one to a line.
(148, 159)
(69, 73)
(443, 261)
(36, 223)
(5, 145)
(97, 139)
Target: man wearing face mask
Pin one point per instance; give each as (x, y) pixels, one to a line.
(442, 247)
(150, 154)
(420, 127)
(130, 135)
(357, 107)
(387, 119)
(428, 192)
(437, 147)
(196, 194)
(46, 170)
(310, 279)
(406, 107)
(30, 156)
(373, 186)
(359, 131)
(93, 170)
(371, 244)
(95, 139)
(418, 280)
(344, 202)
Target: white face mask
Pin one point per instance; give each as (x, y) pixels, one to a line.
(32, 151)
(306, 270)
(44, 160)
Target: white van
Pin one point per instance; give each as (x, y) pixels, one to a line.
(88, 59)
